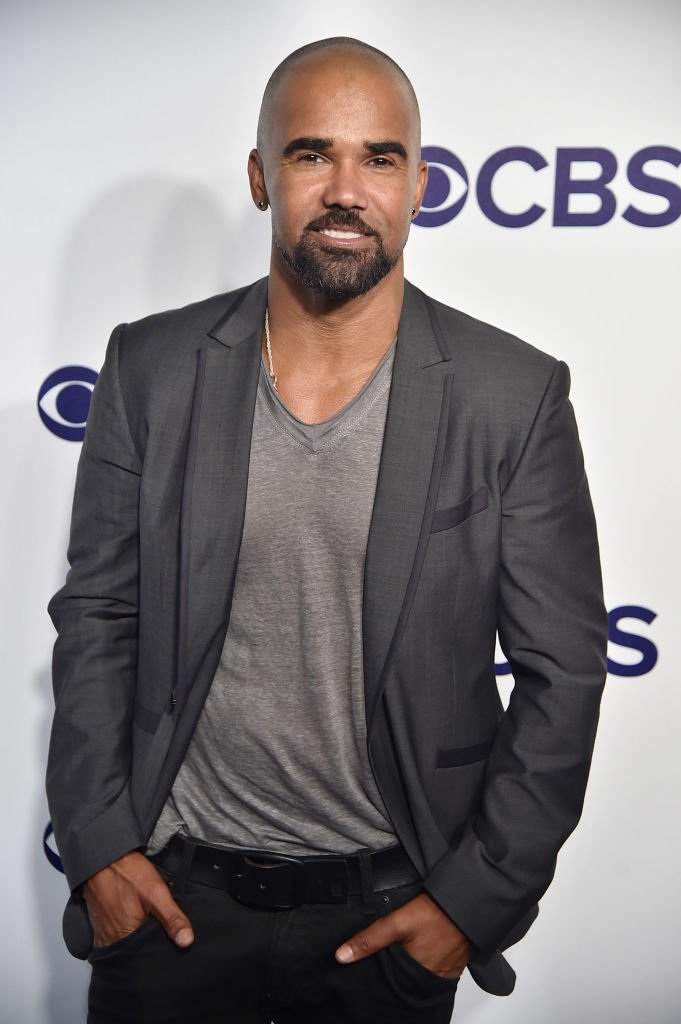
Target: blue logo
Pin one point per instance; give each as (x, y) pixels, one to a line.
(446, 176)
(578, 171)
(620, 637)
(50, 853)
(64, 401)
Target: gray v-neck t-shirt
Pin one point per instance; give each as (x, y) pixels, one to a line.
(278, 761)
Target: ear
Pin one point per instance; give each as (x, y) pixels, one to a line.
(256, 177)
(421, 182)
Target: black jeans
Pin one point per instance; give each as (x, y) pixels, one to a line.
(254, 966)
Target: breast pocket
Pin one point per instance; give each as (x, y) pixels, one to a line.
(446, 518)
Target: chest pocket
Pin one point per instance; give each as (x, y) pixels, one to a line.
(446, 518)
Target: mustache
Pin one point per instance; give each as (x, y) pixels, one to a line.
(340, 220)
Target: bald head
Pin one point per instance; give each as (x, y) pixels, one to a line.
(339, 165)
(340, 51)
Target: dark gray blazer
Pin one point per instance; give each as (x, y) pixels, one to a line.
(482, 522)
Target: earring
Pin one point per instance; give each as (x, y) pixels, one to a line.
(413, 211)
(262, 205)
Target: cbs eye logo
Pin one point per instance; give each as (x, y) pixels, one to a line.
(64, 401)
(447, 187)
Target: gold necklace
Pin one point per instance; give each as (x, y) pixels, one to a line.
(273, 376)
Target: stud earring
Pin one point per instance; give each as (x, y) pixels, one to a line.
(413, 211)
(262, 205)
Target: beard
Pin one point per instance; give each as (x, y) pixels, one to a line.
(333, 272)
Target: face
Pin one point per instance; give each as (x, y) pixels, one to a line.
(341, 170)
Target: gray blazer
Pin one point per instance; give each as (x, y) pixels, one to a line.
(482, 522)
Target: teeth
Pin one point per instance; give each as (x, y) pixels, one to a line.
(332, 233)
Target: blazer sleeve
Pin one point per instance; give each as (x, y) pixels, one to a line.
(553, 629)
(95, 655)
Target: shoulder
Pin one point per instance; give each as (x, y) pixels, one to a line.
(163, 346)
(480, 349)
(498, 378)
(174, 328)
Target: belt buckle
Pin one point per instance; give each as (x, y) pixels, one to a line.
(275, 884)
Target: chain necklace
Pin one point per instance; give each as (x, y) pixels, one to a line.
(273, 376)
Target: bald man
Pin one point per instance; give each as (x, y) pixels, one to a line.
(281, 780)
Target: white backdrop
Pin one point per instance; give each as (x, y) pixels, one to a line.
(126, 128)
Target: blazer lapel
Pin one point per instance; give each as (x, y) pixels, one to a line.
(407, 485)
(215, 482)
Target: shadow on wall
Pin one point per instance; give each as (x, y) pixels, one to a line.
(149, 245)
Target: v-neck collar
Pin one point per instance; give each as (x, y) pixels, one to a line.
(318, 436)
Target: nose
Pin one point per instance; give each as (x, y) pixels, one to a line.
(345, 187)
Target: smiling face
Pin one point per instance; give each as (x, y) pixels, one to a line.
(339, 163)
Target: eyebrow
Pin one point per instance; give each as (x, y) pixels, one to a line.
(307, 142)
(390, 146)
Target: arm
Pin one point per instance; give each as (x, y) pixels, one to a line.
(94, 676)
(553, 629)
(95, 655)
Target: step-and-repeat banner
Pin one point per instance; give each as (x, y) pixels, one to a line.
(553, 210)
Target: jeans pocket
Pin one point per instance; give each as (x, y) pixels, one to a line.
(98, 953)
(419, 972)
(413, 983)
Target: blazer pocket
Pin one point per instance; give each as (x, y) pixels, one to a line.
(457, 757)
(446, 518)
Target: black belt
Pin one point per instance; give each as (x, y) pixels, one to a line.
(280, 883)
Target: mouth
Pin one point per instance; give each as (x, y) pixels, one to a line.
(345, 228)
(344, 236)
(341, 233)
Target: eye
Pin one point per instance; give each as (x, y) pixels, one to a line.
(311, 158)
(381, 161)
(64, 401)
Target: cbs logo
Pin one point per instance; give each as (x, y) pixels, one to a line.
(64, 401)
(578, 171)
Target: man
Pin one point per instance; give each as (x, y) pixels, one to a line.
(280, 776)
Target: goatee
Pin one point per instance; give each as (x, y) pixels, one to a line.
(334, 272)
